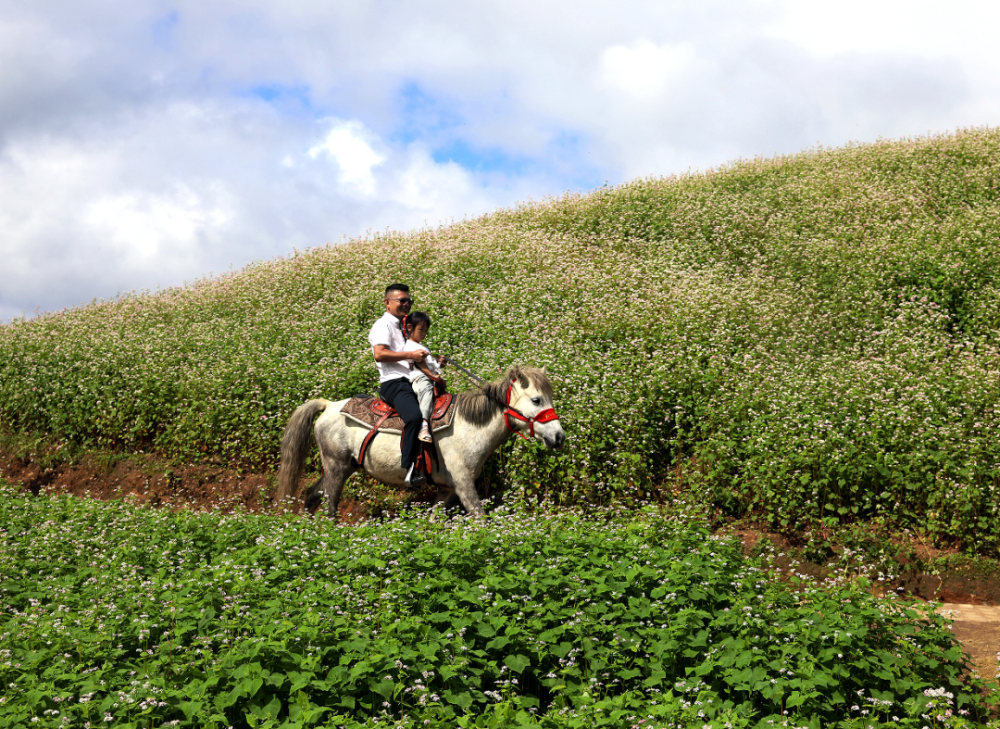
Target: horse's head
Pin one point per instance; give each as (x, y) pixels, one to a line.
(530, 395)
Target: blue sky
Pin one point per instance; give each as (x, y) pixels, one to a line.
(145, 143)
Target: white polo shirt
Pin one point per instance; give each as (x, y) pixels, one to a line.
(388, 331)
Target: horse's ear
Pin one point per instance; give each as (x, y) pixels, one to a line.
(515, 374)
(523, 380)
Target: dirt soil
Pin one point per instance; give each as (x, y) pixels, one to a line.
(977, 628)
(157, 483)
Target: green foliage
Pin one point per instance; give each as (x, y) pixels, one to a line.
(804, 338)
(121, 616)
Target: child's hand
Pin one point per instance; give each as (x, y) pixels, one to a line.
(442, 360)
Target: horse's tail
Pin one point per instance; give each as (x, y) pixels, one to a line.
(295, 445)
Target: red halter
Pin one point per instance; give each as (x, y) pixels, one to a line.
(543, 417)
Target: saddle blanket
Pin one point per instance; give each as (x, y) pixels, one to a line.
(367, 410)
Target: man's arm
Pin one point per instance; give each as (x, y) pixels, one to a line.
(382, 353)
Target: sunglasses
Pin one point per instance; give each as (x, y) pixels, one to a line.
(404, 301)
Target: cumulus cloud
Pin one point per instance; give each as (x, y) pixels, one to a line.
(354, 156)
(154, 202)
(147, 143)
(644, 71)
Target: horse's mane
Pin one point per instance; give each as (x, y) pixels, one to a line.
(480, 406)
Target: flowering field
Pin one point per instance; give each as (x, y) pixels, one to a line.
(614, 619)
(812, 339)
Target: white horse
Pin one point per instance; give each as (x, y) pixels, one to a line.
(519, 402)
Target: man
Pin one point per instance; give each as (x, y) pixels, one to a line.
(394, 365)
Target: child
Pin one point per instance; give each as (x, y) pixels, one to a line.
(423, 374)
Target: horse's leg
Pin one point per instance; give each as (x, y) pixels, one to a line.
(334, 441)
(465, 487)
(334, 478)
(313, 495)
(444, 495)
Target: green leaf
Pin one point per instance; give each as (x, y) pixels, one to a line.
(463, 699)
(517, 662)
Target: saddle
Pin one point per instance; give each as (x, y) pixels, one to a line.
(370, 411)
(379, 417)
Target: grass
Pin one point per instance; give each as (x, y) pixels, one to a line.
(119, 616)
(809, 340)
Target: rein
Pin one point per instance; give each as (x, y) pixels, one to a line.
(470, 376)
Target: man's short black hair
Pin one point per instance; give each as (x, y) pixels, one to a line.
(397, 287)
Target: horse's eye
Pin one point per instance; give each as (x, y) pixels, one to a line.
(536, 400)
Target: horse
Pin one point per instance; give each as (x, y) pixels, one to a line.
(485, 417)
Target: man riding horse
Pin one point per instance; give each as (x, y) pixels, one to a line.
(519, 401)
(388, 339)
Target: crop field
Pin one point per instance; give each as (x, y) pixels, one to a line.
(811, 340)
(115, 615)
(808, 343)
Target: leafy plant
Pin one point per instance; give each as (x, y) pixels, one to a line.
(115, 615)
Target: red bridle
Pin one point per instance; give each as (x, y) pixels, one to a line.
(545, 416)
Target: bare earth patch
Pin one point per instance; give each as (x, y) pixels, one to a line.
(153, 482)
(977, 627)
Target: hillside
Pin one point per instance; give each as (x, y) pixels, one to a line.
(808, 337)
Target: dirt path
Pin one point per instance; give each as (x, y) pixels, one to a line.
(155, 482)
(977, 627)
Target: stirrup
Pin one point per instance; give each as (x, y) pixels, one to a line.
(415, 477)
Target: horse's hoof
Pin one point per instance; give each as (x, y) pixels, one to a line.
(312, 504)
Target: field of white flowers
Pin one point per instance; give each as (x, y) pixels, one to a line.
(813, 339)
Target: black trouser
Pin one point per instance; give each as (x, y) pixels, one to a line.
(399, 395)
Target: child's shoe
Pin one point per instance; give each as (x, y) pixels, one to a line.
(425, 434)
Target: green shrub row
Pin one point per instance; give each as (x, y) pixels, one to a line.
(114, 615)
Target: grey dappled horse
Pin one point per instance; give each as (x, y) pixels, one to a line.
(520, 401)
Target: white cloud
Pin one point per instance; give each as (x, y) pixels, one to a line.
(643, 70)
(347, 144)
(146, 229)
(163, 197)
(146, 142)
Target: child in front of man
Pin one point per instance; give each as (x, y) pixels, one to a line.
(423, 374)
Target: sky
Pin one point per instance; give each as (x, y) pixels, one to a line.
(146, 144)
